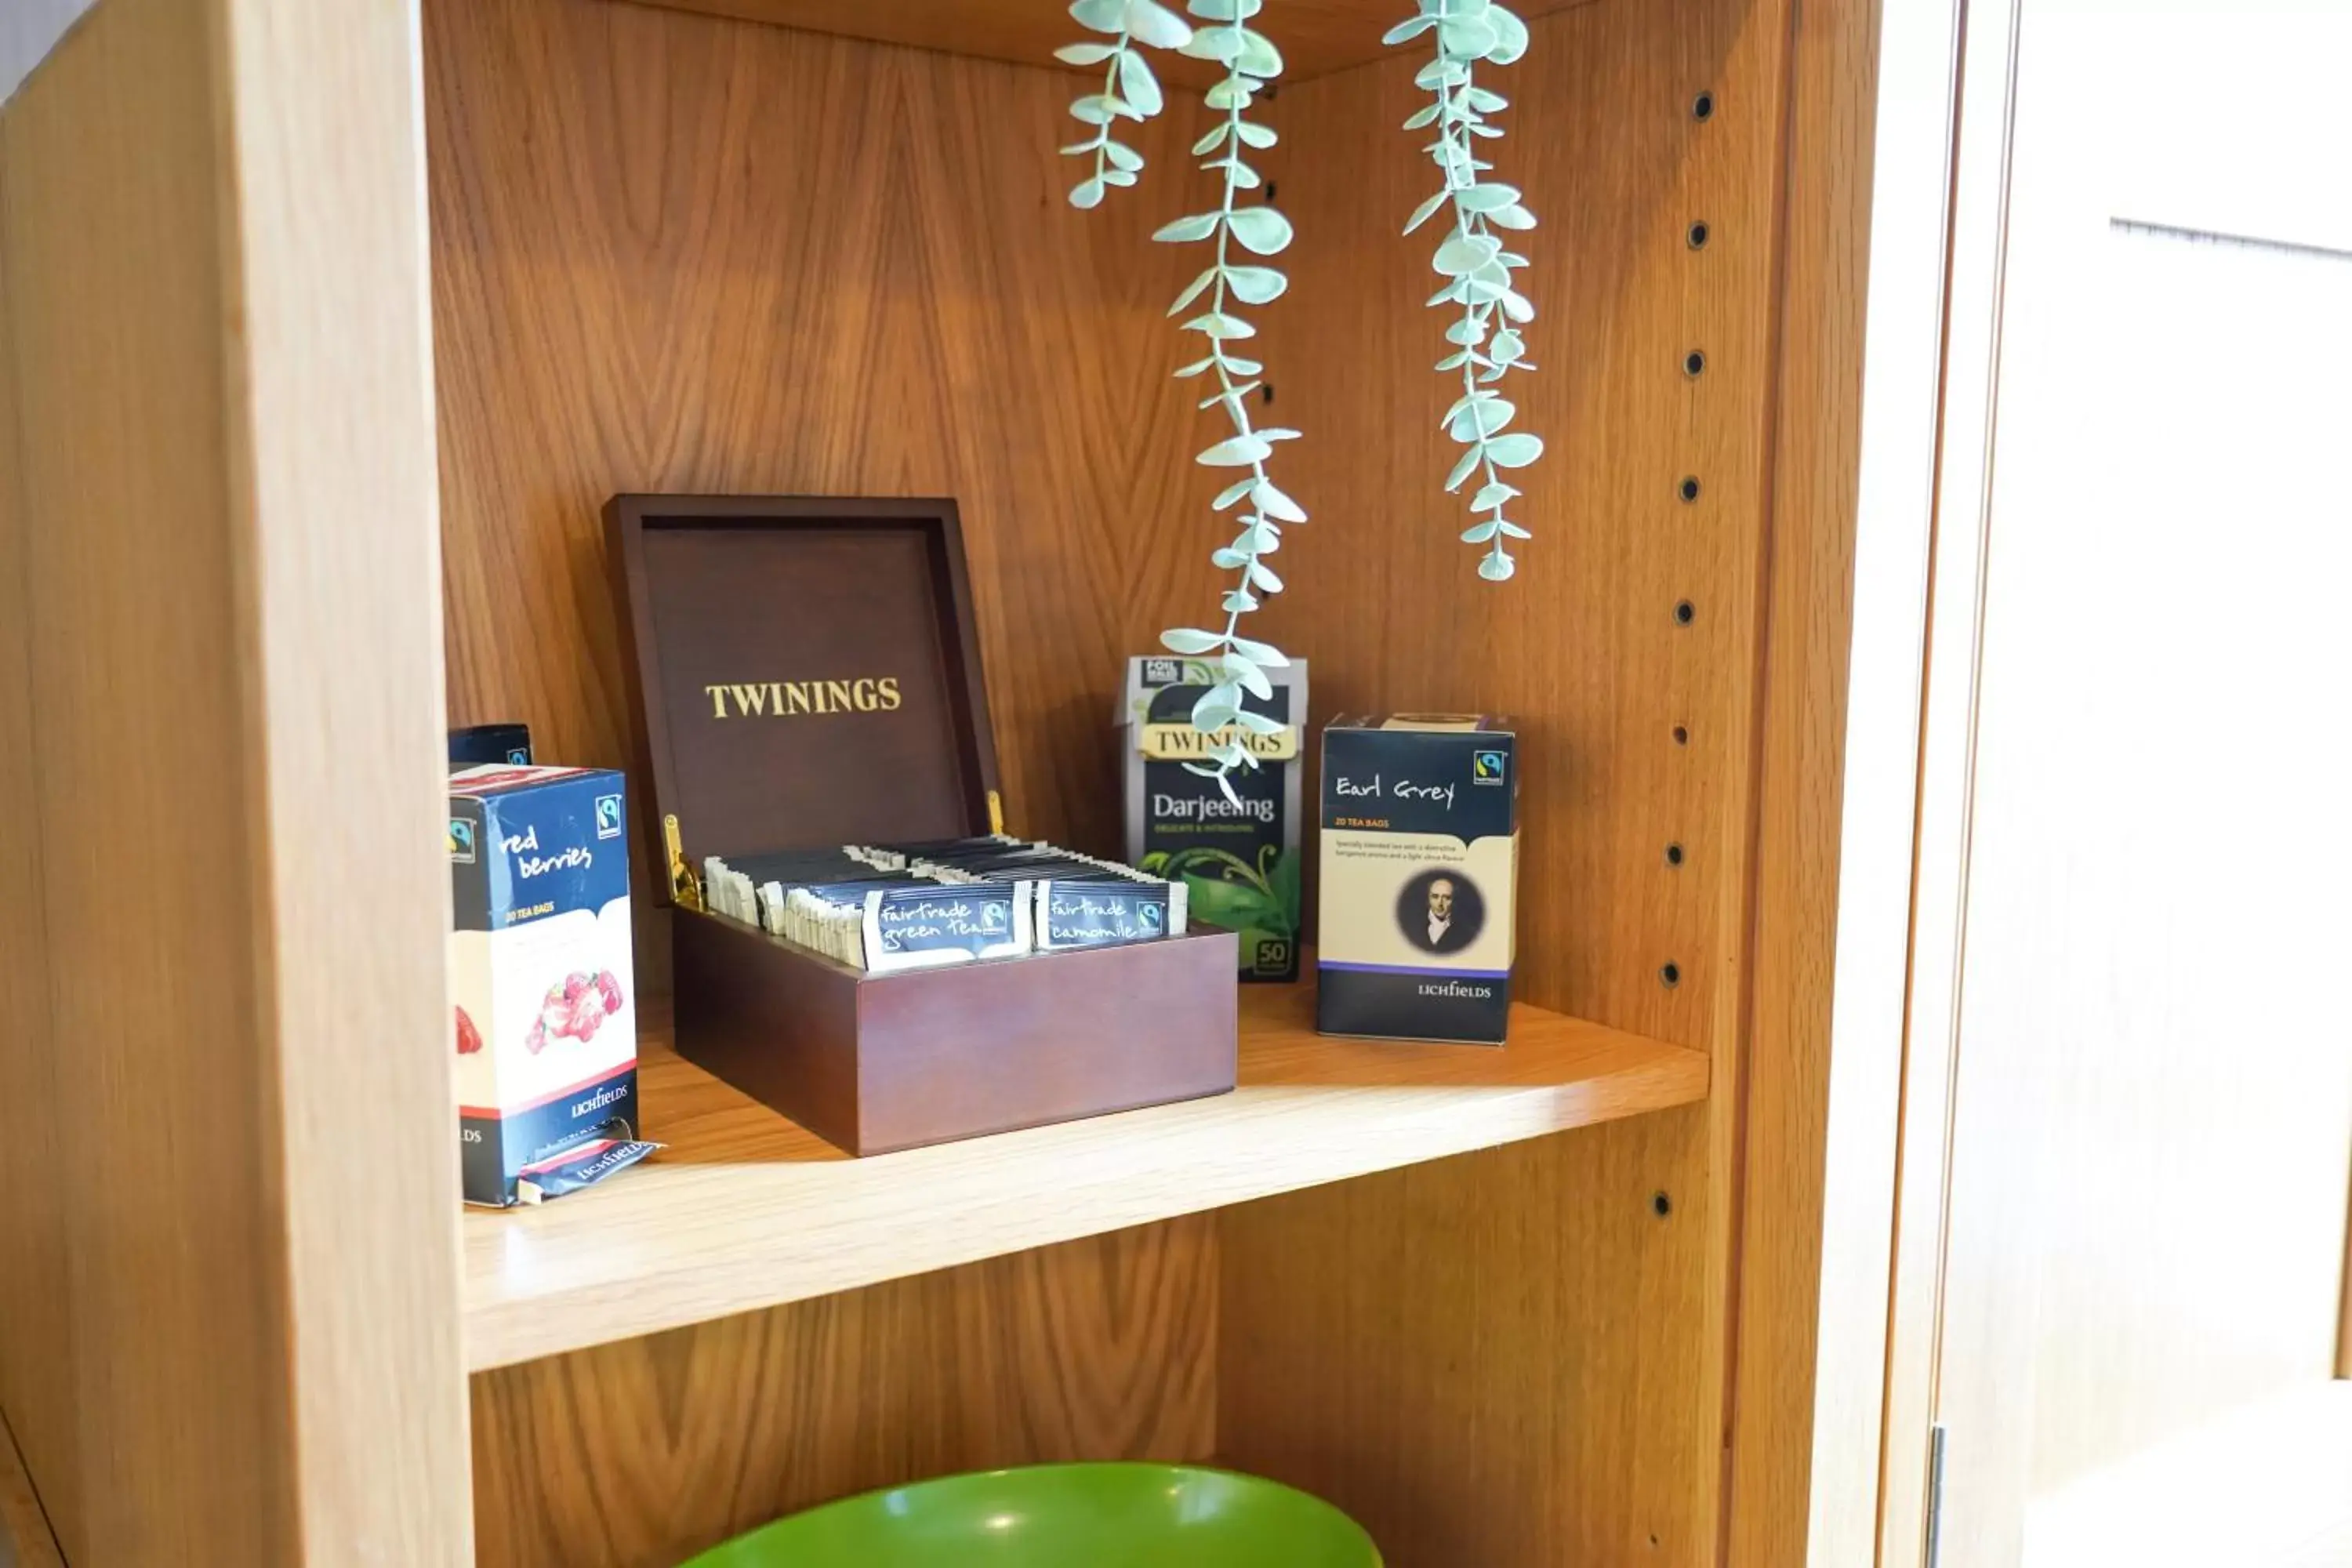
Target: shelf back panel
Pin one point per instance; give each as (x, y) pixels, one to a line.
(1316, 36)
(679, 253)
(635, 1454)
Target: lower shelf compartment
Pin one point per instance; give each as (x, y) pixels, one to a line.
(746, 1210)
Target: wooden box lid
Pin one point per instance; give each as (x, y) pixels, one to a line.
(804, 670)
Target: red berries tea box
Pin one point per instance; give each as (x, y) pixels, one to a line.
(540, 971)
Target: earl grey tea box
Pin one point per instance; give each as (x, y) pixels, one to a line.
(1419, 871)
(1237, 860)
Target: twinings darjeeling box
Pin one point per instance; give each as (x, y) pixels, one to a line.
(540, 971)
(1238, 859)
(1419, 870)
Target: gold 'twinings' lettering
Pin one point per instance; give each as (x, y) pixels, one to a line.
(787, 698)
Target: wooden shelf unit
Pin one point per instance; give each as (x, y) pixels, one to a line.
(746, 1210)
(325, 336)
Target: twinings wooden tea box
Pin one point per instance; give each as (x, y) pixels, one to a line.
(1420, 864)
(807, 684)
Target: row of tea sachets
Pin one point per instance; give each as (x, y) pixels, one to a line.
(886, 907)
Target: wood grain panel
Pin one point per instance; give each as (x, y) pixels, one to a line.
(36, 1353)
(338, 645)
(1506, 1313)
(1499, 1359)
(1583, 645)
(231, 708)
(746, 1210)
(640, 1453)
(112, 165)
(25, 1541)
(1808, 620)
(1314, 36)
(675, 254)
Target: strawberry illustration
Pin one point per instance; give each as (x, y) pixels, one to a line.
(575, 1007)
(469, 1038)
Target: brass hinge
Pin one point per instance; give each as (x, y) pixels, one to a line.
(685, 887)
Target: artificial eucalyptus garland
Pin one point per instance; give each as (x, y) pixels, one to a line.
(1472, 258)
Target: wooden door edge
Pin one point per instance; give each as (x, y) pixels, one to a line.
(25, 1529)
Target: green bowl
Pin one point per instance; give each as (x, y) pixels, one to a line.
(1063, 1515)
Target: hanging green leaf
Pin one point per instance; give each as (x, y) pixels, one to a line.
(1194, 289)
(1258, 55)
(1084, 53)
(1483, 418)
(1485, 198)
(1157, 26)
(1275, 504)
(1256, 285)
(1137, 84)
(1510, 37)
(1516, 450)
(1264, 653)
(1237, 451)
(1189, 640)
(1261, 229)
(1217, 325)
(1462, 467)
(1252, 679)
(1199, 226)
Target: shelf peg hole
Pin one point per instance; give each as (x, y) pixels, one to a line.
(1670, 975)
(1268, 390)
(1685, 613)
(1682, 734)
(1703, 106)
(1660, 1204)
(1688, 488)
(1674, 854)
(1695, 363)
(1269, 193)
(1698, 236)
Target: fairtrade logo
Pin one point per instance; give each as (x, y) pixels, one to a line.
(608, 816)
(1486, 767)
(461, 840)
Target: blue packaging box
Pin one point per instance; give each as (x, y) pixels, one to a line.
(541, 969)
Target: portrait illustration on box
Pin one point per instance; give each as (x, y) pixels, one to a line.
(1441, 911)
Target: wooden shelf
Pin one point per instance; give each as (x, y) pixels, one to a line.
(747, 1210)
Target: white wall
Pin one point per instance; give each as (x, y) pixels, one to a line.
(28, 29)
